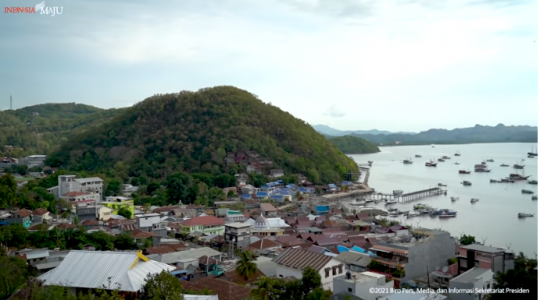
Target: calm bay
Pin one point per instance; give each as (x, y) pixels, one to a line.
(493, 218)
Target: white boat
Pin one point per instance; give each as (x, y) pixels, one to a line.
(369, 200)
(388, 202)
(474, 200)
(411, 215)
(454, 198)
(524, 215)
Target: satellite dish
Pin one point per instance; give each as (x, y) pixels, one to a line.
(445, 269)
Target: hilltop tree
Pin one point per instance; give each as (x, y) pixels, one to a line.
(178, 186)
(162, 286)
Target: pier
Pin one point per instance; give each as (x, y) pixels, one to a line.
(412, 196)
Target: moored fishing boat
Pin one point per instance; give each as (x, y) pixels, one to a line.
(474, 200)
(524, 215)
(482, 170)
(504, 165)
(391, 201)
(447, 215)
(454, 198)
(417, 155)
(518, 177)
(490, 160)
(441, 159)
(527, 191)
(464, 172)
(431, 164)
(533, 182)
(466, 183)
(507, 180)
(494, 181)
(534, 197)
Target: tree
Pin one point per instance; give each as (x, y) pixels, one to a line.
(162, 286)
(467, 240)
(522, 276)
(114, 188)
(125, 212)
(124, 241)
(13, 274)
(8, 191)
(178, 186)
(245, 267)
(311, 279)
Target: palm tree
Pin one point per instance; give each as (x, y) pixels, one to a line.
(266, 289)
(245, 267)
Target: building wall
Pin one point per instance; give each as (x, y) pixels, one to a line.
(486, 282)
(116, 206)
(104, 214)
(362, 288)
(426, 258)
(147, 221)
(327, 282)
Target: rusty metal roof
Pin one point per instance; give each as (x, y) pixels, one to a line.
(300, 259)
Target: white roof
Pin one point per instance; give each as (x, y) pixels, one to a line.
(238, 225)
(200, 297)
(34, 253)
(272, 222)
(196, 253)
(89, 179)
(92, 269)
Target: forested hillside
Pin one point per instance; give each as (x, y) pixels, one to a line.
(213, 130)
(353, 145)
(40, 128)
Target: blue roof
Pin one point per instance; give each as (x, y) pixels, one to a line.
(331, 185)
(279, 181)
(278, 197)
(342, 249)
(346, 183)
(358, 249)
(323, 208)
(261, 194)
(246, 196)
(292, 185)
(265, 187)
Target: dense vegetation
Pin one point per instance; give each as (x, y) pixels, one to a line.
(353, 145)
(204, 131)
(40, 128)
(476, 134)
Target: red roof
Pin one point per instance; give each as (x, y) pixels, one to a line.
(225, 290)
(40, 212)
(203, 220)
(139, 234)
(23, 213)
(75, 194)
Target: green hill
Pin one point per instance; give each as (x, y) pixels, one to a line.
(213, 130)
(40, 128)
(353, 145)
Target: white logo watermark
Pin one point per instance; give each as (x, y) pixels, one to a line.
(44, 10)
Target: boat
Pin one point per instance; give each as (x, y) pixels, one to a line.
(403, 212)
(420, 206)
(431, 164)
(446, 157)
(425, 211)
(392, 210)
(526, 191)
(454, 198)
(464, 172)
(507, 180)
(441, 159)
(534, 197)
(504, 165)
(393, 215)
(524, 215)
(518, 177)
(533, 154)
(467, 183)
(482, 170)
(432, 146)
(457, 154)
(407, 161)
(494, 181)
(443, 212)
(456, 163)
(518, 166)
(474, 200)
(447, 215)
(440, 184)
(490, 160)
(412, 215)
(370, 162)
(388, 202)
(533, 182)
(480, 166)
(417, 155)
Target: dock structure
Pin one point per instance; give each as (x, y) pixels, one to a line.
(366, 176)
(417, 195)
(421, 194)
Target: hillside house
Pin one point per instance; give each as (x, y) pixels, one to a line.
(21, 216)
(70, 183)
(146, 221)
(204, 224)
(268, 210)
(41, 215)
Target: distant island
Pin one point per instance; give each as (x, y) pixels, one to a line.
(329, 131)
(353, 145)
(476, 134)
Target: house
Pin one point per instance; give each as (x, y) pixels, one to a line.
(118, 202)
(21, 216)
(441, 277)
(86, 209)
(292, 262)
(104, 213)
(235, 233)
(226, 290)
(146, 221)
(178, 258)
(264, 244)
(33, 256)
(276, 173)
(233, 216)
(76, 196)
(366, 285)
(268, 210)
(128, 189)
(204, 224)
(354, 261)
(33, 161)
(125, 271)
(422, 252)
(472, 280)
(70, 183)
(41, 215)
(263, 226)
(480, 256)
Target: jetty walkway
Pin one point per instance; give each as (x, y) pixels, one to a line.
(412, 196)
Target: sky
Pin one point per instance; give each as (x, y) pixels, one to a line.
(397, 65)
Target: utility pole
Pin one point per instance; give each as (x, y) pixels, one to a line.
(10, 103)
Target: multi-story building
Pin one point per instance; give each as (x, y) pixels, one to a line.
(424, 251)
(77, 196)
(205, 224)
(86, 209)
(236, 232)
(70, 183)
(234, 216)
(362, 284)
(33, 161)
(473, 280)
(147, 221)
(480, 256)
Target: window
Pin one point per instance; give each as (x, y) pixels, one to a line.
(326, 272)
(333, 271)
(350, 290)
(280, 275)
